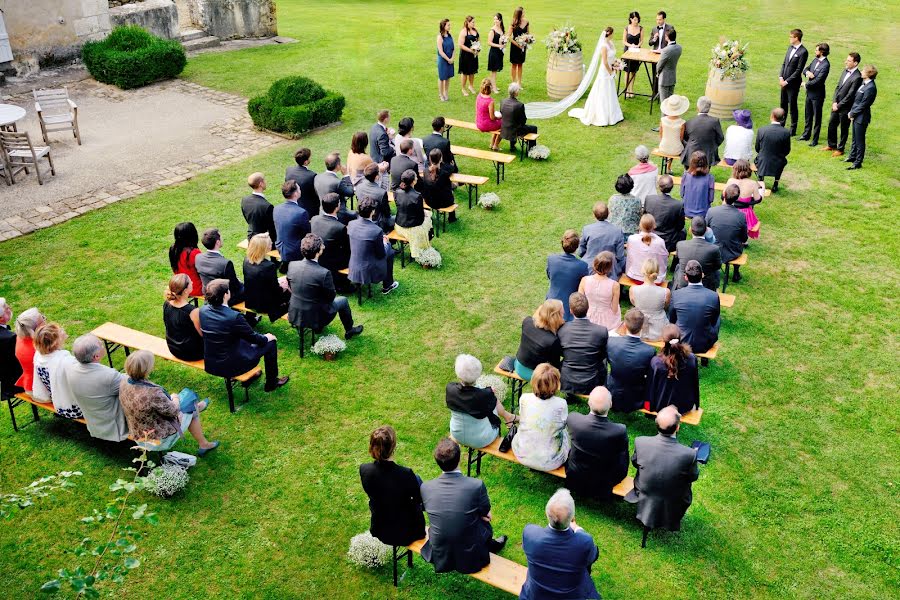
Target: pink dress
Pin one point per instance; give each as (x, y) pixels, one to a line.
(484, 120)
(752, 220)
(599, 291)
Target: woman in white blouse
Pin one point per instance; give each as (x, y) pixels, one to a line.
(50, 362)
(739, 138)
(404, 131)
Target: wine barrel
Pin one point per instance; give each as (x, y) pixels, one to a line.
(727, 95)
(564, 73)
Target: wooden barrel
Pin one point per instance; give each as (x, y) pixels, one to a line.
(726, 94)
(564, 73)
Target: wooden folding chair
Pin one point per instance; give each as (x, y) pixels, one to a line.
(56, 112)
(21, 154)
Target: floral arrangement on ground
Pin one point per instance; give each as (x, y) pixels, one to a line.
(167, 480)
(729, 57)
(366, 551)
(328, 345)
(539, 152)
(430, 258)
(563, 40)
(489, 201)
(493, 381)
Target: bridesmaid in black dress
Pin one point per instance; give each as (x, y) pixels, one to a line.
(632, 37)
(468, 58)
(495, 54)
(517, 52)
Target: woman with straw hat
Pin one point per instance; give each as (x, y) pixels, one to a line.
(671, 126)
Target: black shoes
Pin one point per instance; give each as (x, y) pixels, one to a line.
(281, 381)
(654, 129)
(495, 546)
(353, 332)
(803, 138)
(854, 167)
(393, 287)
(774, 187)
(813, 144)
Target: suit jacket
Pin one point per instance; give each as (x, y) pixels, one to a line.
(696, 310)
(773, 144)
(305, 178)
(662, 484)
(230, 346)
(816, 85)
(399, 164)
(703, 133)
(329, 182)
(457, 536)
(629, 366)
(792, 68)
(380, 148)
(212, 265)
(845, 93)
(10, 368)
(584, 355)
(730, 226)
(861, 111)
(436, 140)
(367, 252)
(708, 255)
(336, 255)
(655, 36)
(262, 292)
(292, 224)
(395, 502)
(565, 272)
(668, 61)
(669, 215)
(312, 295)
(599, 236)
(559, 563)
(369, 189)
(512, 118)
(96, 389)
(258, 214)
(598, 459)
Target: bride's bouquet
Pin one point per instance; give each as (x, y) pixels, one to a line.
(617, 65)
(563, 41)
(476, 47)
(728, 57)
(526, 40)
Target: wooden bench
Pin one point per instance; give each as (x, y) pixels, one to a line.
(441, 214)
(516, 386)
(665, 162)
(720, 187)
(402, 241)
(273, 254)
(526, 141)
(740, 261)
(500, 160)
(691, 417)
(116, 336)
(725, 165)
(704, 357)
(625, 280)
(471, 182)
(451, 123)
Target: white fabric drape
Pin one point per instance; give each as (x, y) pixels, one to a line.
(546, 110)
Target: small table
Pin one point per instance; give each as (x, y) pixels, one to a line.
(645, 56)
(9, 114)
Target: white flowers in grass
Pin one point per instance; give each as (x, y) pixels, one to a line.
(493, 381)
(328, 344)
(430, 257)
(366, 551)
(489, 200)
(167, 480)
(539, 152)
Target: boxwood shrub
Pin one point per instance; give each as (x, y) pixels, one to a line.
(295, 105)
(131, 57)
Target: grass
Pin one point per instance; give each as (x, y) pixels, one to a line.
(800, 497)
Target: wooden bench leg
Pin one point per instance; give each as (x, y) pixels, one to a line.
(644, 538)
(727, 277)
(229, 387)
(13, 403)
(704, 362)
(110, 348)
(497, 168)
(359, 294)
(469, 186)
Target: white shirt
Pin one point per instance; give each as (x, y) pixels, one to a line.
(258, 194)
(793, 52)
(847, 74)
(662, 36)
(738, 143)
(50, 384)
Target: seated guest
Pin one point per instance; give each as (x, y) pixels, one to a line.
(334, 180)
(674, 378)
(371, 255)
(749, 195)
(600, 236)
(598, 459)
(314, 301)
(153, 414)
(257, 210)
(459, 517)
(583, 348)
(643, 246)
(369, 188)
(26, 324)
(542, 442)
(624, 207)
(291, 222)
(10, 369)
(95, 387)
(697, 186)
(629, 365)
(651, 300)
(437, 189)
(395, 499)
(602, 293)
(231, 347)
(212, 265)
(730, 225)
(412, 220)
(184, 252)
(773, 144)
(559, 555)
(402, 162)
(643, 174)
(704, 252)
(695, 309)
(306, 182)
(182, 320)
(671, 126)
(405, 128)
(667, 212)
(665, 471)
(565, 271)
(358, 158)
(264, 291)
(475, 412)
(382, 149)
(539, 343)
(333, 232)
(484, 113)
(739, 137)
(703, 133)
(512, 117)
(437, 140)
(50, 363)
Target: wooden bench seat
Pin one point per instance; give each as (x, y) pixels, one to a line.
(516, 386)
(725, 300)
(402, 241)
(703, 356)
(740, 261)
(526, 141)
(472, 182)
(25, 398)
(625, 280)
(273, 254)
(725, 165)
(666, 160)
(501, 573)
(451, 123)
(500, 160)
(720, 187)
(691, 417)
(442, 217)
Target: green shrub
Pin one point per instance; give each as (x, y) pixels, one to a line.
(295, 105)
(131, 57)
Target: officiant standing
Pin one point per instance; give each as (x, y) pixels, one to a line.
(792, 76)
(658, 37)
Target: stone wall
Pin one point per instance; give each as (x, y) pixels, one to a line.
(227, 19)
(159, 17)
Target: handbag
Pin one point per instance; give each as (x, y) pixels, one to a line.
(508, 364)
(511, 431)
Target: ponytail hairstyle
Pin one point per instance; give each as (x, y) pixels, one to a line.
(674, 352)
(177, 286)
(650, 270)
(608, 31)
(434, 158)
(407, 179)
(648, 224)
(186, 238)
(500, 18)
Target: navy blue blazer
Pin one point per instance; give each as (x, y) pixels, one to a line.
(559, 563)
(231, 347)
(629, 365)
(292, 224)
(819, 69)
(695, 309)
(861, 111)
(305, 178)
(565, 272)
(380, 148)
(600, 236)
(368, 252)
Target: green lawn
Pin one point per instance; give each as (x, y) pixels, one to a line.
(800, 497)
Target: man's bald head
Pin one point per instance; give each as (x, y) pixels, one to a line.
(600, 401)
(668, 419)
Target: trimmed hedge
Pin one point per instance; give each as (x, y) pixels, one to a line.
(295, 105)
(131, 57)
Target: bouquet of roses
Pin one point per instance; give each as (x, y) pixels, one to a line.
(728, 58)
(476, 47)
(503, 41)
(617, 65)
(563, 41)
(526, 41)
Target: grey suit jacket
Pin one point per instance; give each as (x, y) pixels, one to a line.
(662, 485)
(599, 236)
(703, 133)
(668, 60)
(96, 388)
(730, 226)
(709, 257)
(212, 265)
(584, 355)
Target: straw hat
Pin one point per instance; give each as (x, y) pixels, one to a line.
(675, 105)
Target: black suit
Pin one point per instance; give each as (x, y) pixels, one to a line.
(862, 116)
(773, 144)
(232, 348)
(669, 215)
(436, 140)
(314, 301)
(395, 502)
(10, 368)
(458, 537)
(844, 97)
(709, 257)
(380, 148)
(513, 121)
(305, 178)
(696, 310)
(336, 255)
(399, 164)
(730, 227)
(662, 484)
(629, 366)
(792, 73)
(258, 214)
(703, 133)
(815, 97)
(262, 293)
(584, 355)
(598, 459)
(658, 39)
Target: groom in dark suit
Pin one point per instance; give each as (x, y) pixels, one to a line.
(816, 74)
(792, 76)
(658, 39)
(861, 115)
(844, 96)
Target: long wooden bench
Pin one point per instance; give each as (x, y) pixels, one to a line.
(691, 417)
(704, 357)
(740, 261)
(516, 386)
(725, 300)
(500, 160)
(116, 336)
(720, 187)
(725, 165)
(451, 123)
(666, 160)
(472, 182)
(274, 254)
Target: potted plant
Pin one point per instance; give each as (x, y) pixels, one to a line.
(328, 346)
(565, 65)
(489, 201)
(429, 258)
(727, 81)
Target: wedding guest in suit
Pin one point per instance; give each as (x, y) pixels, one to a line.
(844, 97)
(305, 178)
(749, 195)
(403, 162)
(369, 188)
(643, 246)
(183, 254)
(792, 76)
(703, 133)
(475, 413)
(371, 255)
(495, 54)
(729, 224)
(264, 291)
(459, 517)
(436, 187)
(10, 368)
(512, 116)
(27, 324)
(671, 127)
(539, 342)
(598, 459)
(313, 299)
(665, 471)
(643, 174)
(583, 348)
(468, 55)
(667, 212)
(629, 364)
(50, 362)
(697, 248)
(519, 26)
(182, 320)
(291, 222)
(96, 390)
(698, 186)
(542, 442)
(328, 226)
(381, 150)
(773, 144)
(437, 140)
(816, 73)
(861, 115)
(667, 66)
(565, 271)
(739, 137)
(395, 498)
(651, 300)
(334, 180)
(602, 293)
(257, 210)
(358, 158)
(484, 113)
(559, 555)
(603, 236)
(444, 59)
(674, 378)
(405, 128)
(212, 265)
(658, 39)
(413, 221)
(625, 207)
(695, 309)
(632, 37)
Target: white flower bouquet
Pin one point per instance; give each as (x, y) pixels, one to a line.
(729, 58)
(526, 41)
(328, 345)
(367, 551)
(493, 381)
(563, 40)
(430, 258)
(167, 480)
(489, 200)
(503, 41)
(476, 47)
(539, 152)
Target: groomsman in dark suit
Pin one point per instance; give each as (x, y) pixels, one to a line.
(565, 272)
(816, 74)
(696, 310)
(257, 210)
(437, 140)
(305, 178)
(380, 146)
(792, 76)
(861, 115)
(844, 96)
(629, 364)
(708, 255)
(658, 39)
(773, 144)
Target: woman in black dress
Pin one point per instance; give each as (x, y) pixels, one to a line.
(495, 54)
(468, 56)
(182, 320)
(516, 51)
(264, 292)
(632, 37)
(674, 378)
(437, 189)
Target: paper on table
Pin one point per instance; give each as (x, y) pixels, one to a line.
(635, 50)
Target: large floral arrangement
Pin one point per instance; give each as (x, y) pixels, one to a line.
(563, 41)
(728, 58)
(328, 345)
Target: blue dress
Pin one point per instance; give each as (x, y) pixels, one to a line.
(445, 69)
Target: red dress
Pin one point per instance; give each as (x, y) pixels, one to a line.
(186, 266)
(484, 120)
(25, 354)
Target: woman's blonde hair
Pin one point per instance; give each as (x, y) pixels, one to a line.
(139, 364)
(648, 224)
(650, 269)
(260, 245)
(487, 87)
(49, 337)
(549, 315)
(178, 284)
(545, 381)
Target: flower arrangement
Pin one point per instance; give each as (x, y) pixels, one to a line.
(489, 201)
(526, 40)
(167, 480)
(493, 381)
(563, 41)
(539, 152)
(617, 65)
(729, 59)
(429, 258)
(503, 41)
(328, 345)
(476, 47)
(367, 551)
